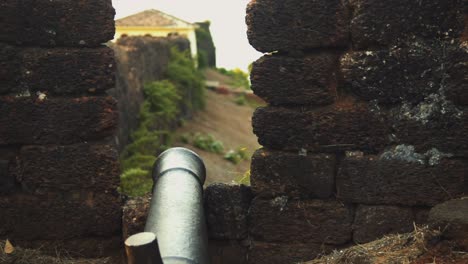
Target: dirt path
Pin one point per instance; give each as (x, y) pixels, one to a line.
(229, 123)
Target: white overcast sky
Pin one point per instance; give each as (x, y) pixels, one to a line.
(227, 24)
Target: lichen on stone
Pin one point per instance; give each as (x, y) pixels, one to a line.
(407, 153)
(280, 202)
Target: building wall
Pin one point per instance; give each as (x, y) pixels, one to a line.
(59, 171)
(189, 33)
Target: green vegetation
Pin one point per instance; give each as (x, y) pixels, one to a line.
(161, 109)
(204, 142)
(239, 77)
(240, 100)
(236, 156)
(244, 179)
(205, 46)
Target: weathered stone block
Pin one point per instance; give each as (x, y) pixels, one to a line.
(226, 208)
(387, 23)
(372, 222)
(227, 252)
(68, 71)
(282, 80)
(295, 25)
(432, 124)
(135, 212)
(7, 179)
(285, 253)
(26, 120)
(60, 216)
(409, 74)
(404, 179)
(345, 125)
(451, 217)
(9, 67)
(89, 247)
(276, 173)
(92, 167)
(10, 24)
(304, 221)
(58, 23)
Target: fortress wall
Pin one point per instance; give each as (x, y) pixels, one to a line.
(59, 171)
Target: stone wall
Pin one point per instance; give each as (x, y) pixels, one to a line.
(366, 124)
(58, 171)
(139, 60)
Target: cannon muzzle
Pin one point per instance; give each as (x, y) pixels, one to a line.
(176, 216)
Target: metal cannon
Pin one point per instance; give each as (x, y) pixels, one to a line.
(175, 230)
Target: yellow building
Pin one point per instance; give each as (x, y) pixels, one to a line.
(157, 24)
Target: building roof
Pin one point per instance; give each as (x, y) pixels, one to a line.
(153, 18)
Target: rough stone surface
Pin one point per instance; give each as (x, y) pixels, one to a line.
(284, 25)
(89, 247)
(60, 216)
(68, 71)
(402, 181)
(409, 74)
(284, 253)
(9, 66)
(276, 173)
(421, 215)
(451, 217)
(7, 179)
(57, 23)
(305, 221)
(135, 212)
(343, 126)
(283, 80)
(434, 123)
(52, 168)
(226, 212)
(139, 60)
(29, 120)
(227, 252)
(372, 222)
(384, 23)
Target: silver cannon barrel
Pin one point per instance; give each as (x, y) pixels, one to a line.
(176, 214)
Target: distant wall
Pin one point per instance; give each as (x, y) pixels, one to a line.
(140, 60)
(58, 171)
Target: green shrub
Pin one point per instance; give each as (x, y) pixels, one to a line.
(136, 182)
(188, 80)
(161, 98)
(236, 156)
(240, 100)
(239, 77)
(208, 143)
(144, 162)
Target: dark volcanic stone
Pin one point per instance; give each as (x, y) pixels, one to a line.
(275, 173)
(226, 208)
(451, 217)
(386, 23)
(68, 71)
(341, 126)
(135, 212)
(9, 67)
(66, 168)
(61, 216)
(374, 180)
(434, 123)
(227, 252)
(304, 221)
(282, 80)
(372, 222)
(294, 24)
(409, 74)
(25, 120)
(57, 23)
(7, 179)
(285, 253)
